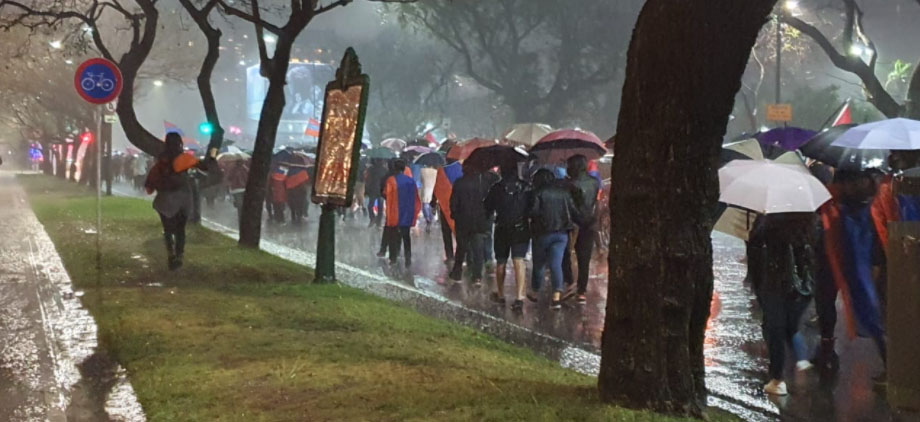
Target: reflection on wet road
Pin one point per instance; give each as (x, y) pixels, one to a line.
(50, 366)
(735, 353)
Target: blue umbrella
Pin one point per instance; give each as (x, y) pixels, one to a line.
(787, 138)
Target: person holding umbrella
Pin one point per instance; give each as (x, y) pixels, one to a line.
(443, 189)
(509, 200)
(473, 224)
(584, 190)
(373, 188)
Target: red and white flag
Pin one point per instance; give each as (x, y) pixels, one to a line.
(845, 116)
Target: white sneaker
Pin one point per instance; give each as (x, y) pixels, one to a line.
(803, 365)
(776, 388)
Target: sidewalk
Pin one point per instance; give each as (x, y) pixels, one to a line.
(49, 366)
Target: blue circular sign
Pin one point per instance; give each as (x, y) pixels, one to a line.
(98, 81)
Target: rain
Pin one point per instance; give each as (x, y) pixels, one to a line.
(695, 209)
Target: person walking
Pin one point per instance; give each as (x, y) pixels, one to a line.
(401, 194)
(552, 211)
(376, 174)
(473, 224)
(173, 202)
(782, 265)
(443, 189)
(584, 188)
(509, 201)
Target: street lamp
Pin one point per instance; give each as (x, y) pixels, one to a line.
(158, 83)
(791, 5)
(270, 38)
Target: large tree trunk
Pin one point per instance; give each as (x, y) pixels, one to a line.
(913, 94)
(272, 108)
(685, 64)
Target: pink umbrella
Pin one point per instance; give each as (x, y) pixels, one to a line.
(559, 146)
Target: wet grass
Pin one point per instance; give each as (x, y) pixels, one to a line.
(239, 335)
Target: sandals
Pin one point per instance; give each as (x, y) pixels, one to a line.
(517, 305)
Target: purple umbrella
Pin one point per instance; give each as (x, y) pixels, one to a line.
(787, 138)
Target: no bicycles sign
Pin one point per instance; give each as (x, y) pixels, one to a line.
(98, 81)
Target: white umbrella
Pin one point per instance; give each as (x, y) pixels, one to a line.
(767, 187)
(528, 134)
(893, 134)
(394, 144)
(736, 222)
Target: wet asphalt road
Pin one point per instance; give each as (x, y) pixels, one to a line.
(735, 353)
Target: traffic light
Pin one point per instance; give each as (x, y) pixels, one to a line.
(206, 128)
(87, 137)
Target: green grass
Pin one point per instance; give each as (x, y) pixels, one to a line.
(240, 335)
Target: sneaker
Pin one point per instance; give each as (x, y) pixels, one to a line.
(803, 365)
(477, 283)
(556, 305)
(776, 388)
(495, 297)
(381, 254)
(517, 305)
(581, 299)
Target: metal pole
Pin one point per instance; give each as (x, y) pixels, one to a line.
(325, 246)
(98, 190)
(779, 60)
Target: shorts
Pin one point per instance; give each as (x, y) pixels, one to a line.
(513, 243)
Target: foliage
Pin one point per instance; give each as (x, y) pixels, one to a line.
(545, 59)
(239, 335)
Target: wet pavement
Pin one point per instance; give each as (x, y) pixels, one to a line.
(735, 353)
(50, 367)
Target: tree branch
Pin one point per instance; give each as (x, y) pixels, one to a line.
(875, 90)
(253, 18)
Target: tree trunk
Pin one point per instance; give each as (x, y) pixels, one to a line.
(253, 199)
(207, 93)
(913, 94)
(685, 64)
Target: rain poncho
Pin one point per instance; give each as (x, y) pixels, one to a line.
(429, 177)
(444, 188)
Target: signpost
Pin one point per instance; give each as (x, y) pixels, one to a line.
(779, 112)
(99, 82)
(337, 154)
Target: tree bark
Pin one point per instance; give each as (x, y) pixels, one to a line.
(913, 94)
(272, 108)
(685, 63)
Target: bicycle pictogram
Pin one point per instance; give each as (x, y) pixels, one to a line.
(97, 80)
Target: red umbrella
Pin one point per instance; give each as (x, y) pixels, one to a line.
(463, 150)
(560, 145)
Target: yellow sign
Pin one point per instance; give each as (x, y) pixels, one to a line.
(779, 112)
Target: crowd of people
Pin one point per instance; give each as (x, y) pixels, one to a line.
(489, 218)
(794, 258)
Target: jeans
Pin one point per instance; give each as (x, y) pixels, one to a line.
(174, 232)
(376, 217)
(584, 249)
(781, 317)
(548, 250)
(393, 237)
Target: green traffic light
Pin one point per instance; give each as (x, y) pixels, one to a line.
(206, 128)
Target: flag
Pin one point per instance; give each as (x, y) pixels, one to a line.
(845, 116)
(431, 139)
(313, 128)
(172, 128)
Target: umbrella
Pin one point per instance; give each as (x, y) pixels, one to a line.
(560, 145)
(394, 144)
(821, 148)
(381, 153)
(736, 222)
(495, 156)
(752, 149)
(463, 150)
(787, 138)
(767, 187)
(891, 134)
(527, 134)
(431, 159)
(229, 157)
(417, 149)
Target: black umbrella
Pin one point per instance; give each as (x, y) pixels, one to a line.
(431, 159)
(819, 148)
(750, 149)
(495, 156)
